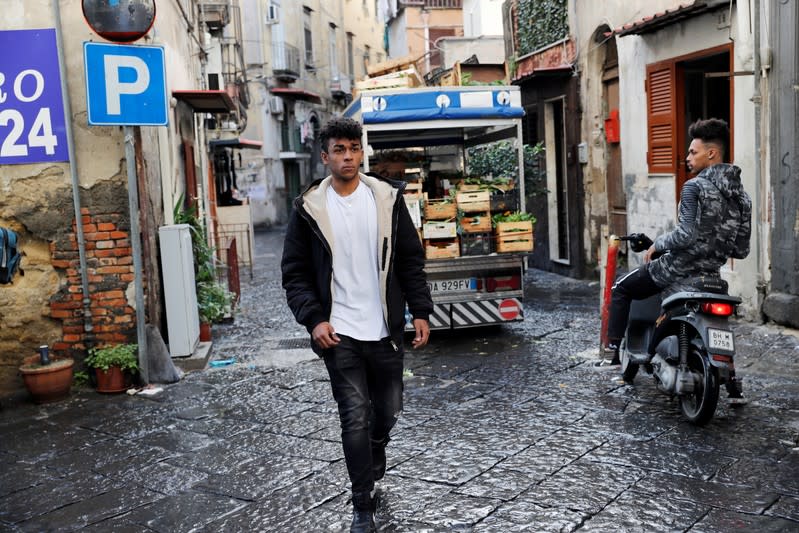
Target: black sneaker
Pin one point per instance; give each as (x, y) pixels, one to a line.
(735, 393)
(613, 347)
(363, 513)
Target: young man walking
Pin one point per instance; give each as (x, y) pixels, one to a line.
(351, 261)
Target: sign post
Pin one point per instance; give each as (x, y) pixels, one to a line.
(126, 86)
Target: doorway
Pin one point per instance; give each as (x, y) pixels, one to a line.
(704, 84)
(617, 199)
(557, 185)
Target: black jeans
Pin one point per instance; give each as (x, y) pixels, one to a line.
(636, 285)
(366, 378)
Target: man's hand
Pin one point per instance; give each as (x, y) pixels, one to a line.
(422, 328)
(324, 335)
(648, 254)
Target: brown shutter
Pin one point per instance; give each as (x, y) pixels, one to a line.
(661, 111)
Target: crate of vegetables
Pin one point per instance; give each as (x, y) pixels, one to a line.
(514, 232)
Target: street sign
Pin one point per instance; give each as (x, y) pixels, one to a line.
(32, 128)
(125, 85)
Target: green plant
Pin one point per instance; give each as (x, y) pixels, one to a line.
(515, 216)
(80, 378)
(498, 159)
(202, 251)
(213, 301)
(122, 355)
(546, 22)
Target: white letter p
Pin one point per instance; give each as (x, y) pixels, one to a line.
(115, 88)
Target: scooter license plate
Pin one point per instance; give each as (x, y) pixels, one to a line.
(719, 339)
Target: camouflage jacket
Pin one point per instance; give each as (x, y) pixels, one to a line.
(714, 223)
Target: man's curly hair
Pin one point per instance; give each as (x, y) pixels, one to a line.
(712, 130)
(340, 128)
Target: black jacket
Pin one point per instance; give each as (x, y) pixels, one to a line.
(307, 263)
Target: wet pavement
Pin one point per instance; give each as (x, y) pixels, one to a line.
(514, 428)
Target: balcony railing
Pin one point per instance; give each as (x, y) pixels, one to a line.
(215, 13)
(285, 61)
(290, 139)
(433, 4)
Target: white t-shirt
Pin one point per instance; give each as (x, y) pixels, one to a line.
(357, 309)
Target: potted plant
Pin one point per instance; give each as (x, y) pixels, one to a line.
(47, 378)
(114, 365)
(214, 302)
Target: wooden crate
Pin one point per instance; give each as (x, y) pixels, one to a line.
(514, 236)
(391, 65)
(440, 210)
(476, 222)
(439, 230)
(413, 189)
(442, 249)
(469, 187)
(473, 202)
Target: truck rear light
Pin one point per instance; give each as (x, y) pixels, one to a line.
(717, 308)
(503, 283)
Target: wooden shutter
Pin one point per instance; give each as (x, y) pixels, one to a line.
(661, 111)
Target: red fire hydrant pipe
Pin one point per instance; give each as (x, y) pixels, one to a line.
(610, 278)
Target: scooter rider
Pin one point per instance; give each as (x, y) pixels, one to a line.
(713, 225)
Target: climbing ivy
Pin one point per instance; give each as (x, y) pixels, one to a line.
(541, 22)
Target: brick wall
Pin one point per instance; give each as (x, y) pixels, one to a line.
(109, 264)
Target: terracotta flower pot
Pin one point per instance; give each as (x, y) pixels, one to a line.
(112, 380)
(205, 332)
(48, 383)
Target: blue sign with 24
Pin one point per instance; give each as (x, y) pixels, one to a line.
(32, 128)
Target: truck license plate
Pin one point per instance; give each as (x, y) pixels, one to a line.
(720, 339)
(452, 285)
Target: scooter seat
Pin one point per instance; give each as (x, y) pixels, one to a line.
(689, 295)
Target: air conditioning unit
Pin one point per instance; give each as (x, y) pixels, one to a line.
(275, 105)
(340, 86)
(272, 14)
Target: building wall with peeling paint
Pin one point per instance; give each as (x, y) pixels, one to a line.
(651, 198)
(36, 200)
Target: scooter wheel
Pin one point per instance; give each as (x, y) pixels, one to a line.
(699, 406)
(628, 369)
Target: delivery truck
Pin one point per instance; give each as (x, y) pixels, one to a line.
(471, 220)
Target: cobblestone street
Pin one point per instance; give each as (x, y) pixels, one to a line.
(515, 428)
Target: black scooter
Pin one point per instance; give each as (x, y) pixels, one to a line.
(684, 341)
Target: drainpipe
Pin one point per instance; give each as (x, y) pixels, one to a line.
(757, 100)
(426, 22)
(87, 312)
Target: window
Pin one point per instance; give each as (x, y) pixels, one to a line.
(307, 27)
(367, 59)
(435, 53)
(350, 56)
(333, 52)
(680, 91)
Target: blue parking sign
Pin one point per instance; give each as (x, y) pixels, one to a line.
(125, 85)
(32, 127)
